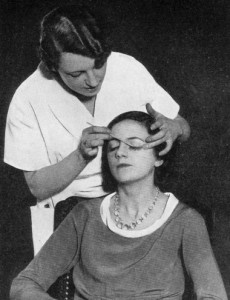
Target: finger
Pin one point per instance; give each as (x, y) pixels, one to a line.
(154, 144)
(96, 143)
(158, 124)
(151, 111)
(93, 152)
(158, 136)
(167, 148)
(88, 138)
(99, 136)
(98, 129)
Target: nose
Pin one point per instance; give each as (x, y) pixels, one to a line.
(91, 79)
(122, 150)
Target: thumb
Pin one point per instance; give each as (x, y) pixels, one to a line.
(151, 111)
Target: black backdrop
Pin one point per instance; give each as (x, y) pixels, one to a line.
(185, 45)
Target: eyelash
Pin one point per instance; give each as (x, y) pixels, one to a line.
(75, 76)
(133, 148)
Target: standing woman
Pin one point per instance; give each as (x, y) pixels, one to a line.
(136, 243)
(78, 81)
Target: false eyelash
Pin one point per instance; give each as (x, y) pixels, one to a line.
(135, 148)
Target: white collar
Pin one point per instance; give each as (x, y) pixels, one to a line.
(106, 217)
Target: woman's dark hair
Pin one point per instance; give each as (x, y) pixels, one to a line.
(109, 183)
(73, 29)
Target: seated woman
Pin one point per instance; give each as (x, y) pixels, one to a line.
(136, 243)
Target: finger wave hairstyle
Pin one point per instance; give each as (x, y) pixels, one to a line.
(73, 29)
(161, 173)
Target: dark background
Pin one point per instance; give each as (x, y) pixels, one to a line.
(185, 45)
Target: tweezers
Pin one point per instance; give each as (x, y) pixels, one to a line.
(116, 138)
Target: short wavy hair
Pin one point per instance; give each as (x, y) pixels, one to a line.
(73, 29)
(161, 173)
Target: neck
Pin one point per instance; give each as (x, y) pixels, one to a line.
(134, 197)
(90, 104)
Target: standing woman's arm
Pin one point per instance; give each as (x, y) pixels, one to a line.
(51, 180)
(199, 259)
(48, 181)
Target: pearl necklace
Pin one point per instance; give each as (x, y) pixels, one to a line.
(120, 223)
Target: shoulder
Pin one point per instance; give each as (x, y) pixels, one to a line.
(124, 62)
(85, 214)
(33, 87)
(29, 83)
(32, 92)
(20, 104)
(189, 218)
(87, 207)
(118, 56)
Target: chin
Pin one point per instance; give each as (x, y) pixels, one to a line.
(125, 179)
(91, 93)
(130, 178)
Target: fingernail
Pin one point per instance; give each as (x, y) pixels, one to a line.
(146, 146)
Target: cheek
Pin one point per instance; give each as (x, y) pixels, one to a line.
(110, 159)
(144, 159)
(76, 85)
(112, 163)
(72, 83)
(100, 74)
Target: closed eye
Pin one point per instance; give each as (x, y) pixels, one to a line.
(75, 75)
(135, 143)
(132, 143)
(135, 148)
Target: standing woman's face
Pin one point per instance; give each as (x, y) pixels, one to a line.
(80, 75)
(130, 164)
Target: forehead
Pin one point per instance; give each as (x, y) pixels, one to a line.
(70, 62)
(130, 128)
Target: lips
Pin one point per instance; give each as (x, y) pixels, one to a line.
(123, 165)
(92, 88)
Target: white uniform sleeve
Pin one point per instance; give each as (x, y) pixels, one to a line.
(153, 93)
(24, 145)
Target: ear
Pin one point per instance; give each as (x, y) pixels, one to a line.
(158, 163)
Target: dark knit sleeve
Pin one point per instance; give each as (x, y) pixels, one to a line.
(199, 258)
(58, 255)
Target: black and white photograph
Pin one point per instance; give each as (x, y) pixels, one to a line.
(115, 150)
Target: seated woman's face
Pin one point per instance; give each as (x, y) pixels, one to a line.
(129, 164)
